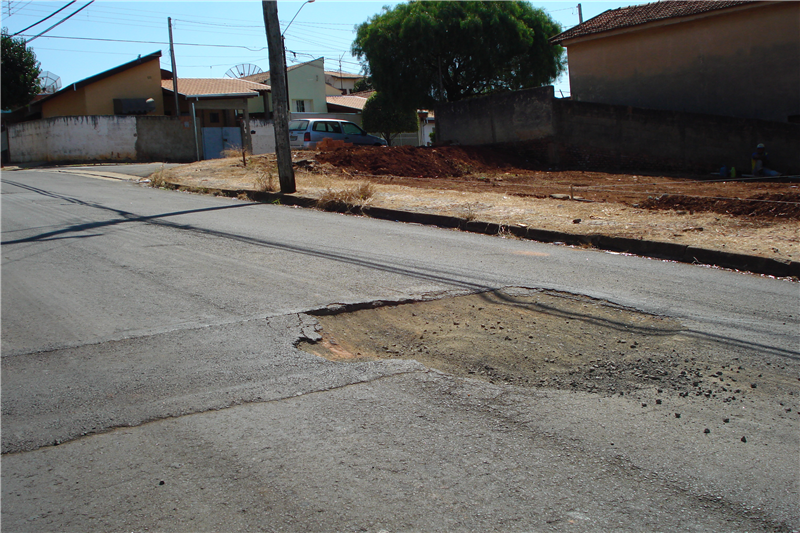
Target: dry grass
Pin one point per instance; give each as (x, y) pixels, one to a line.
(158, 178)
(470, 213)
(265, 182)
(235, 152)
(357, 195)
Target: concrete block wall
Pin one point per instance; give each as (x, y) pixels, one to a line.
(628, 138)
(166, 139)
(570, 134)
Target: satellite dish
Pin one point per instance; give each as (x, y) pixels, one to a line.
(49, 82)
(245, 69)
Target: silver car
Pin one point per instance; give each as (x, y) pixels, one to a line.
(304, 134)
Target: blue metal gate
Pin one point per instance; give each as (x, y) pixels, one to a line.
(216, 140)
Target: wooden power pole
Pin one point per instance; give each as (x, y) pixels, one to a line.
(277, 80)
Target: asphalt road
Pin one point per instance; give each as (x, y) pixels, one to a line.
(150, 380)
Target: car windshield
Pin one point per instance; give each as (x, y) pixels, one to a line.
(298, 125)
(352, 129)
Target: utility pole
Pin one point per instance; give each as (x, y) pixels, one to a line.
(277, 76)
(580, 15)
(174, 69)
(285, 73)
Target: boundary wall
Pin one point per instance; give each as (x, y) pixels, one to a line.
(569, 134)
(101, 138)
(110, 138)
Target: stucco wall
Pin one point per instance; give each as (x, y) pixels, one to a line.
(141, 81)
(742, 63)
(68, 103)
(508, 117)
(308, 83)
(101, 138)
(601, 136)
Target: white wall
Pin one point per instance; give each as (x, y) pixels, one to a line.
(73, 139)
(264, 137)
(307, 82)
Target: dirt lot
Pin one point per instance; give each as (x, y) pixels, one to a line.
(750, 217)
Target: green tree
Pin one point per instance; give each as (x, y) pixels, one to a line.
(364, 84)
(421, 53)
(20, 73)
(383, 116)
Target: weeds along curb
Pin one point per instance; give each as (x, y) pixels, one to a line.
(657, 250)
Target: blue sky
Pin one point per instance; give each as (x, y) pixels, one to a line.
(213, 36)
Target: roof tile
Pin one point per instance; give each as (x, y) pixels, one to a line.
(353, 102)
(344, 75)
(206, 86)
(625, 17)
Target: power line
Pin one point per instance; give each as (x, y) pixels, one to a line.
(18, 9)
(62, 20)
(153, 42)
(47, 17)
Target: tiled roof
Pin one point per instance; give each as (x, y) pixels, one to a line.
(351, 101)
(261, 77)
(214, 86)
(345, 75)
(626, 17)
(363, 94)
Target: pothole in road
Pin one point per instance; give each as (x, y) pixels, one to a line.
(536, 338)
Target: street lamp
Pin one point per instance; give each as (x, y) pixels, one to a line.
(283, 43)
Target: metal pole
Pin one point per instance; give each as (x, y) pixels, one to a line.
(196, 143)
(174, 69)
(580, 15)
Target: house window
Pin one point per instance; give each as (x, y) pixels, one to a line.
(213, 118)
(301, 106)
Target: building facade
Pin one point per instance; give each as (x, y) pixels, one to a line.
(732, 58)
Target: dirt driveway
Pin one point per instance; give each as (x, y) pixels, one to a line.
(743, 216)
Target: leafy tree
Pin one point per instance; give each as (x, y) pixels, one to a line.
(383, 116)
(421, 53)
(20, 73)
(364, 84)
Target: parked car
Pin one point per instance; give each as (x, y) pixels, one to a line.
(304, 134)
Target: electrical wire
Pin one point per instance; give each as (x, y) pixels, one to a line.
(62, 20)
(154, 42)
(47, 17)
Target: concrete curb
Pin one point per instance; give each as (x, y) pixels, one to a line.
(655, 249)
